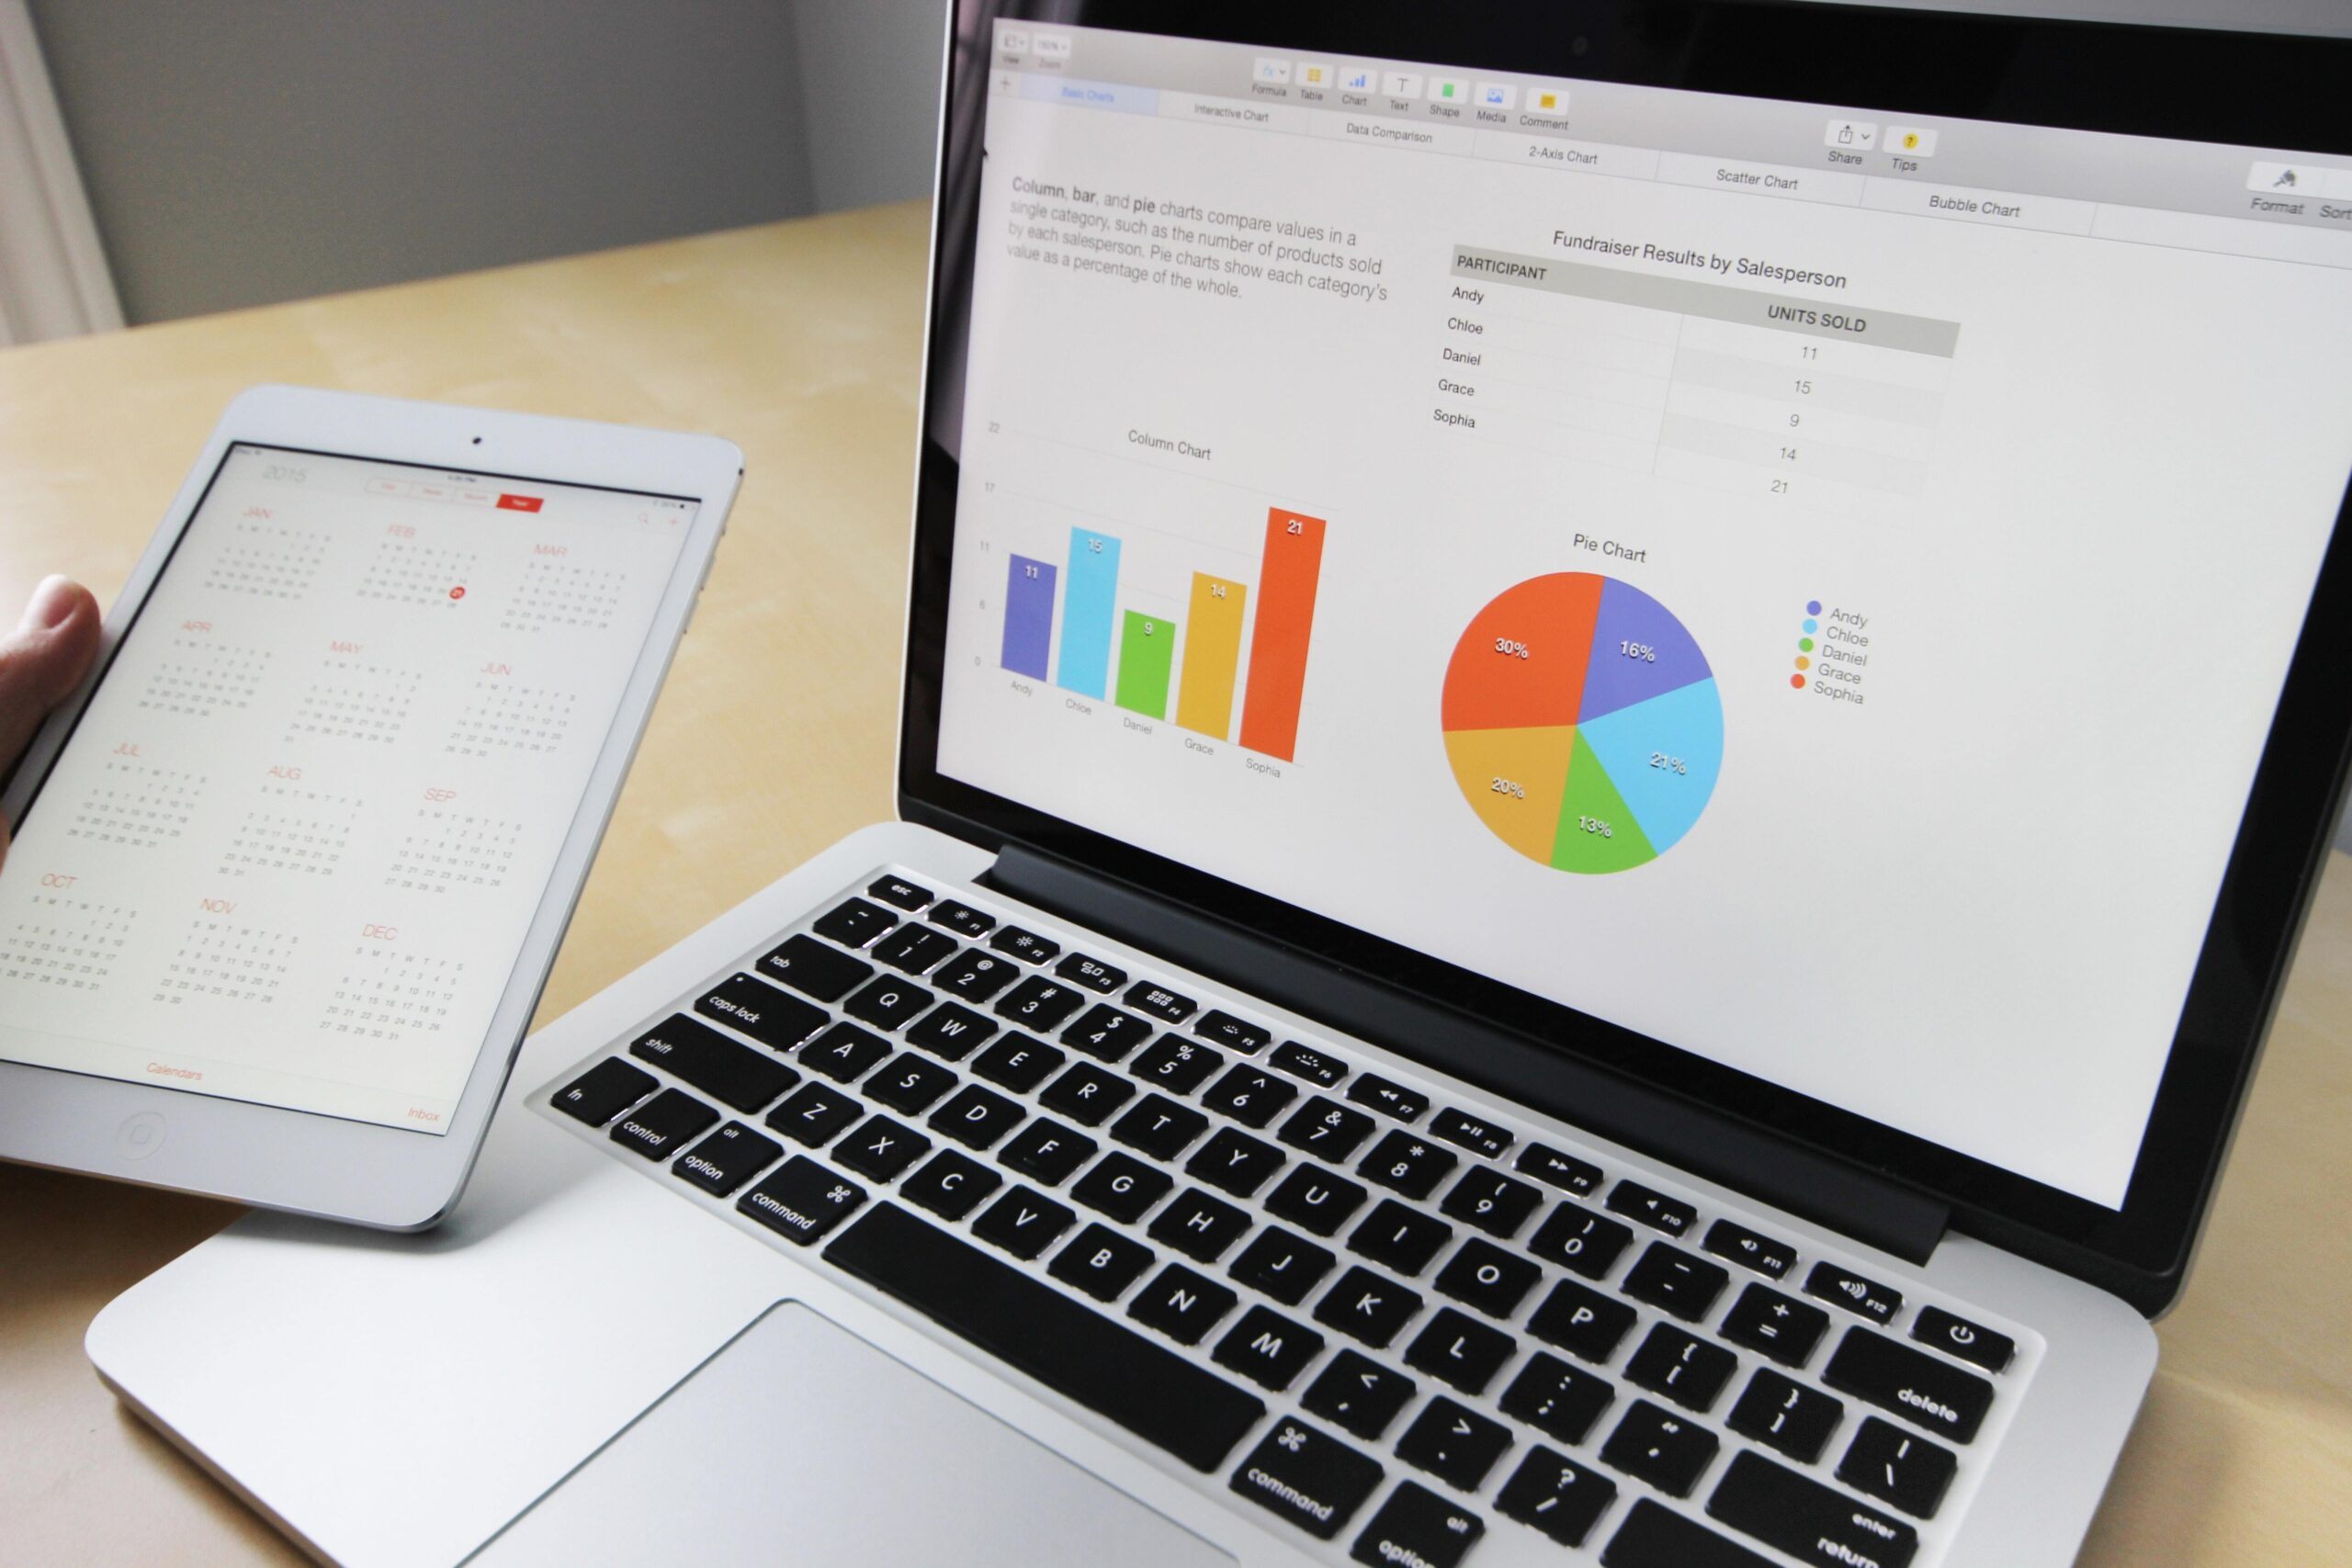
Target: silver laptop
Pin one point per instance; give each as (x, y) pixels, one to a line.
(1616, 720)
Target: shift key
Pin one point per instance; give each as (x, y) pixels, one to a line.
(696, 1052)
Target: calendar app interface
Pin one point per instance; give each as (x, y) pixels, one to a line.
(296, 840)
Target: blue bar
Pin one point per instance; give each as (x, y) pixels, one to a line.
(1028, 617)
(1086, 611)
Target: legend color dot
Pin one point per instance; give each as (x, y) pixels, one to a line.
(1805, 644)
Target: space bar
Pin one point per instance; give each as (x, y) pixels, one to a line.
(1156, 1395)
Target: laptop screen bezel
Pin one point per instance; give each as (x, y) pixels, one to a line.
(2261, 90)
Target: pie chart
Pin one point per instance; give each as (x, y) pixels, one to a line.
(1582, 722)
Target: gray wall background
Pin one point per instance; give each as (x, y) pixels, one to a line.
(243, 152)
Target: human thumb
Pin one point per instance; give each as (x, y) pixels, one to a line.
(44, 658)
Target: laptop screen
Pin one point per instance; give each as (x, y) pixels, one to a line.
(1809, 587)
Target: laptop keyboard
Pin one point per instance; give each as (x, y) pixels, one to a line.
(1387, 1321)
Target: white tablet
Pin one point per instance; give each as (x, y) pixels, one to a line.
(290, 869)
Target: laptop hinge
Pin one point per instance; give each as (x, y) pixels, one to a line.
(1864, 1205)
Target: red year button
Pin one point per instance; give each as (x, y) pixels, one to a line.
(518, 503)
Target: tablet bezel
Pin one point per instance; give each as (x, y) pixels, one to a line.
(2236, 88)
(308, 1162)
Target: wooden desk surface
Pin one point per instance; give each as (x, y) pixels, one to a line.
(802, 341)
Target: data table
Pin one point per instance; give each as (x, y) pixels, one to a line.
(1760, 393)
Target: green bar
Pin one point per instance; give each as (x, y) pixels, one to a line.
(1146, 652)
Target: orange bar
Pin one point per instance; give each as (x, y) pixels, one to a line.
(1286, 582)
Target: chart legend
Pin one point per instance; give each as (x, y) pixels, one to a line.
(1833, 652)
(1582, 722)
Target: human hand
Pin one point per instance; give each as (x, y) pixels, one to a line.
(40, 661)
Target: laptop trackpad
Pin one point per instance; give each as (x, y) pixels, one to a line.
(801, 1443)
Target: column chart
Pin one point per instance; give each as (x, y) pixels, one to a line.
(1236, 643)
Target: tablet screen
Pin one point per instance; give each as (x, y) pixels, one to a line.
(295, 843)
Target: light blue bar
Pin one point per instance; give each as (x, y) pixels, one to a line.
(1087, 592)
(1048, 89)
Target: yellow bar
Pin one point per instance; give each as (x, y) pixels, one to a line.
(1212, 654)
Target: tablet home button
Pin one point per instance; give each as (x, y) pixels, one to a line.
(140, 1135)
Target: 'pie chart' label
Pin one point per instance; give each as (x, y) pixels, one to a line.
(1582, 722)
